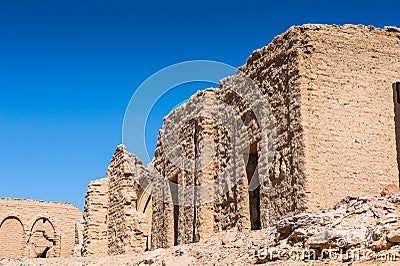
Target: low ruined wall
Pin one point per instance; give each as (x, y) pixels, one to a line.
(32, 228)
(95, 241)
(127, 228)
(117, 210)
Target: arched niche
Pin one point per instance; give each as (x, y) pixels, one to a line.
(43, 240)
(12, 238)
(144, 205)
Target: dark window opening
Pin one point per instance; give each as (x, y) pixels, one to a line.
(176, 221)
(174, 193)
(254, 195)
(397, 88)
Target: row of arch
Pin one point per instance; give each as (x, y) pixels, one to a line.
(35, 240)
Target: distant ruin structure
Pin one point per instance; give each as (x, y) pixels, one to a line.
(38, 229)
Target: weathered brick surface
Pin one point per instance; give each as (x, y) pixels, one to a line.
(127, 228)
(33, 228)
(95, 217)
(331, 89)
(347, 110)
(185, 224)
(275, 70)
(117, 210)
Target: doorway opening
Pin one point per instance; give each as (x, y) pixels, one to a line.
(42, 239)
(396, 100)
(174, 193)
(253, 179)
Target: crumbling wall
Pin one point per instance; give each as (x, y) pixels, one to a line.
(275, 70)
(166, 215)
(95, 241)
(185, 223)
(330, 88)
(127, 228)
(116, 209)
(33, 228)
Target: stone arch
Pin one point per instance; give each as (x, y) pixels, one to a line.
(12, 238)
(144, 205)
(43, 241)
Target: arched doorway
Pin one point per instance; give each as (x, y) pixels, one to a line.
(42, 239)
(12, 242)
(144, 205)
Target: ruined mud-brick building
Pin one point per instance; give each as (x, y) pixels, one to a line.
(334, 93)
(38, 229)
(117, 212)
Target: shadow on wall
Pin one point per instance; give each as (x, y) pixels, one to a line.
(396, 100)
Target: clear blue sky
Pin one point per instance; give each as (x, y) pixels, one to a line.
(69, 68)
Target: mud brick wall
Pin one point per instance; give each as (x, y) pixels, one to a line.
(166, 215)
(95, 216)
(275, 70)
(233, 208)
(117, 212)
(127, 228)
(331, 91)
(24, 224)
(175, 224)
(181, 224)
(347, 77)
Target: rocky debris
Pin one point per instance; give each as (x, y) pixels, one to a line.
(390, 190)
(356, 230)
(362, 224)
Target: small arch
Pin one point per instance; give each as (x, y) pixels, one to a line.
(11, 217)
(42, 238)
(144, 205)
(12, 235)
(41, 216)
